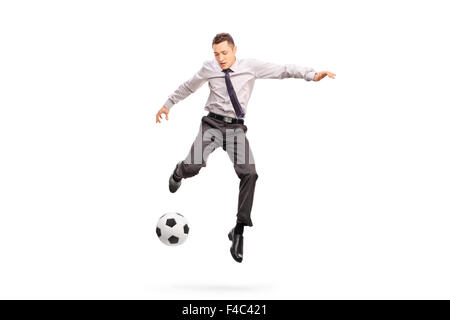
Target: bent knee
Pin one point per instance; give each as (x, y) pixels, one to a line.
(252, 175)
(246, 171)
(190, 170)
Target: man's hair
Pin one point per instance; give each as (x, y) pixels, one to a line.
(220, 37)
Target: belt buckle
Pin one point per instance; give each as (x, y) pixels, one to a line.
(228, 119)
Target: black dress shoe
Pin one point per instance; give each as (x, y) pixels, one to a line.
(174, 183)
(237, 245)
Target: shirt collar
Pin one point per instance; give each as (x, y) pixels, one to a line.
(234, 67)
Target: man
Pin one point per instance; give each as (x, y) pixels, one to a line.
(231, 83)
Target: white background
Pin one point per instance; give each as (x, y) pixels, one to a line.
(352, 200)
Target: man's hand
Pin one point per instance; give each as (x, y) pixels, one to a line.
(160, 112)
(322, 74)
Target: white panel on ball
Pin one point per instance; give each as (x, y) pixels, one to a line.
(172, 229)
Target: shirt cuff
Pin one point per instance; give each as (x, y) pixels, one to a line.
(169, 104)
(310, 76)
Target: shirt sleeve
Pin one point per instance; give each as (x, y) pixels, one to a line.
(188, 87)
(269, 70)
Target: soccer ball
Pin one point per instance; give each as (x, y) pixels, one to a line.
(172, 229)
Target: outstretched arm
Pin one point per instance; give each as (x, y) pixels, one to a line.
(269, 70)
(184, 90)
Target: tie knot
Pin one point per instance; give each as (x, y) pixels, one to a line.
(227, 70)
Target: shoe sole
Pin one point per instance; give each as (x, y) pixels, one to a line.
(235, 259)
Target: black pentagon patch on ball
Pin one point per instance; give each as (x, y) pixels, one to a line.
(173, 240)
(158, 231)
(171, 222)
(186, 229)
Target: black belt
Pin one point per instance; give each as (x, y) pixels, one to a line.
(225, 119)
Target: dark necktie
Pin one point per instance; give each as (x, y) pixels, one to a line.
(233, 97)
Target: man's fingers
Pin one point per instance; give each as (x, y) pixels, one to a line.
(159, 116)
(322, 74)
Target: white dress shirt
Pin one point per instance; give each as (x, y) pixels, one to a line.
(243, 76)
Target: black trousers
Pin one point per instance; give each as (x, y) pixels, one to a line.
(232, 138)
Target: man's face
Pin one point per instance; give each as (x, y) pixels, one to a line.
(225, 54)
